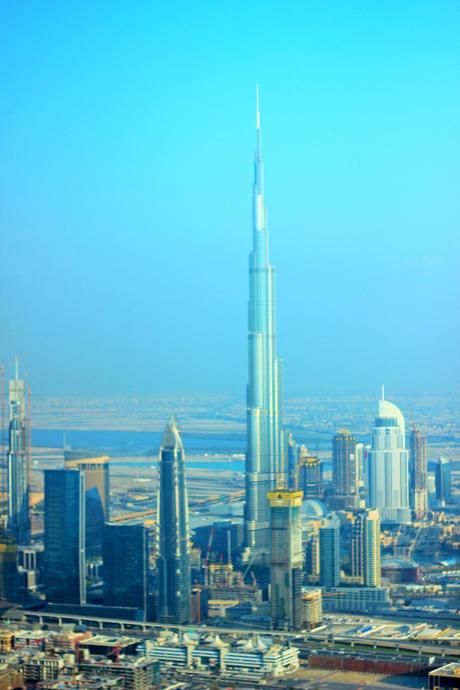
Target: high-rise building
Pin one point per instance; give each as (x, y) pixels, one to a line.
(359, 460)
(8, 567)
(312, 565)
(310, 474)
(312, 606)
(97, 498)
(329, 551)
(173, 547)
(443, 479)
(418, 473)
(64, 560)
(286, 559)
(265, 452)
(365, 548)
(388, 466)
(126, 566)
(292, 457)
(344, 474)
(18, 463)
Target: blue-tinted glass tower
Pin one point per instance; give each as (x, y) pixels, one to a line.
(126, 566)
(173, 545)
(64, 575)
(265, 453)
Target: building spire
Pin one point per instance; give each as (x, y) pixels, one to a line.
(383, 392)
(16, 369)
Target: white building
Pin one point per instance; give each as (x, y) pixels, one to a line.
(388, 466)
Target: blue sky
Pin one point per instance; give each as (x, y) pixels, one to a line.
(126, 149)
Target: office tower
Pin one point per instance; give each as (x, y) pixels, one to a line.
(359, 460)
(286, 559)
(18, 463)
(64, 561)
(312, 599)
(173, 547)
(344, 475)
(418, 473)
(264, 453)
(97, 498)
(126, 566)
(365, 548)
(443, 479)
(329, 552)
(312, 566)
(388, 466)
(310, 475)
(8, 567)
(292, 456)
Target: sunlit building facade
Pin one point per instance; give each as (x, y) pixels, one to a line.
(265, 448)
(286, 559)
(173, 536)
(388, 466)
(418, 473)
(365, 548)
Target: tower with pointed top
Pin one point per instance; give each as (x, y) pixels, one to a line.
(173, 538)
(265, 448)
(388, 466)
(18, 462)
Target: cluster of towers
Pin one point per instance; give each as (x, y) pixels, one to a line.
(381, 483)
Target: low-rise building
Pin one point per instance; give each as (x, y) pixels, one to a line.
(256, 656)
(356, 599)
(137, 673)
(446, 677)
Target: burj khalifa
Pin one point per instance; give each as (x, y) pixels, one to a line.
(264, 449)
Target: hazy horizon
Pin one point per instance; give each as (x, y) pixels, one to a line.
(126, 150)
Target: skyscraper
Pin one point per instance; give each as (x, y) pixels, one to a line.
(310, 471)
(443, 479)
(265, 452)
(18, 460)
(418, 473)
(97, 498)
(291, 455)
(286, 559)
(65, 572)
(329, 552)
(388, 466)
(365, 548)
(126, 563)
(173, 547)
(344, 474)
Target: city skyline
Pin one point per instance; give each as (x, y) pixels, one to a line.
(358, 161)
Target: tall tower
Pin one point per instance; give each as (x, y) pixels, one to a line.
(173, 546)
(418, 473)
(65, 563)
(443, 478)
(365, 548)
(344, 474)
(286, 559)
(388, 466)
(126, 566)
(329, 552)
(18, 463)
(97, 497)
(310, 473)
(264, 452)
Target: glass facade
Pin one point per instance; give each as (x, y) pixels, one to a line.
(64, 560)
(173, 547)
(265, 449)
(125, 570)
